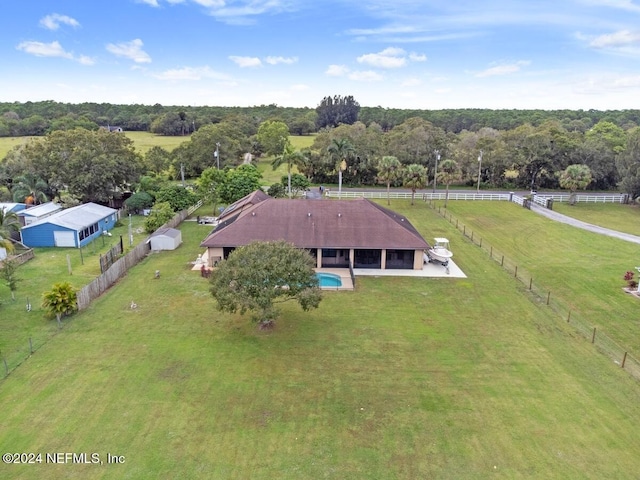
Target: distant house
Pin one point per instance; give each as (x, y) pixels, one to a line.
(12, 207)
(31, 215)
(111, 128)
(337, 233)
(165, 239)
(71, 227)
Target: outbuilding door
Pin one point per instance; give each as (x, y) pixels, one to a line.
(64, 239)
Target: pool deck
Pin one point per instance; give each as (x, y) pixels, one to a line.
(429, 270)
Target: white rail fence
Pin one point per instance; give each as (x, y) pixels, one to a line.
(541, 199)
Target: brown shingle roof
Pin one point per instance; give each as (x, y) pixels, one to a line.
(319, 224)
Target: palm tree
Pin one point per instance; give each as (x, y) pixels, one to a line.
(575, 177)
(9, 223)
(61, 300)
(340, 151)
(415, 177)
(291, 157)
(29, 188)
(389, 170)
(449, 172)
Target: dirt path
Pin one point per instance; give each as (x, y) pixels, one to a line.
(558, 217)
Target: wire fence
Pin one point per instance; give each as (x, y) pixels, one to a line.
(12, 358)
(561, 307)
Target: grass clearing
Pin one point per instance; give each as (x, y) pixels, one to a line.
(144, 141)
(582, 269)
(404, 378)
(624, 218)
(49, 266)
(9, 143)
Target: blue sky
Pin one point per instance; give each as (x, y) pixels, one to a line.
(431, 54)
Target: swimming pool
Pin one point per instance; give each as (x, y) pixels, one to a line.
(328, 280)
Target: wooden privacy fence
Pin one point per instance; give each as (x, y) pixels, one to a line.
(97, 287)
(120, 267)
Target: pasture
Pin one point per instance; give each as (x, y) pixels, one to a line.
(403, 378)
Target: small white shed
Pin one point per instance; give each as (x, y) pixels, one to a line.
(165, 239)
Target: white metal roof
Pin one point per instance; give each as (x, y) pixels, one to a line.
(77, 218)
(40, 210)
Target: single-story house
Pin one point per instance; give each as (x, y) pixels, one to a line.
(12, 207)
(337, 233)
(71, 227)
(35, 213)
(165, 239)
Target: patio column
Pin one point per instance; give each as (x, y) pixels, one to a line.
(383, 259)
(352, 256)
(319, 258)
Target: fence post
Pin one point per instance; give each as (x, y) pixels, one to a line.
(624, 359)
(530, 283)
(480, 242)
(491, 252)
(516, 273)
(569, 316)
(30, 346)
(464, 230)
(593, 338)
(471, 236)
(502, 261)
(548, 297)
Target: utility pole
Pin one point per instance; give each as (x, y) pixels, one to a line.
(182, 173)
(479, 169)
(217, 154)
(435, 175)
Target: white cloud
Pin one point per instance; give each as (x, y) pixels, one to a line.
(277, 60)
(504, 69)
(246, 62)
(53, 49)
(190, 73)
(417, 57)
(153, 3)
(619, 4)
(365, 76)
(388, 58)
(623, 37)
(131, 50)
(53, 21)
(623, 42)
(336, 70)
(39, 49)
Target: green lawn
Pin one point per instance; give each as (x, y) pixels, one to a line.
(143, 141)
(582, 270)
(8, 143)
(49, 266)
(404, 378)
(624, 218)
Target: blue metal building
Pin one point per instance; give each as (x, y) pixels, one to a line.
(72, 227)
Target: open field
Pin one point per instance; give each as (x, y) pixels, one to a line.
(143, 141)
(302, 141)
(8, 143)
(583, 269)
(624, 218)
(404, 378)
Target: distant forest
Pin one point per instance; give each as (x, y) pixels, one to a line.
(40, 118)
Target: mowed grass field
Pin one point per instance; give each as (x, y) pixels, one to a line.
(404, 378)
(624, 218)
(583, 270)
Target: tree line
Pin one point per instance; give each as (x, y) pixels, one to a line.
(40, 118)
